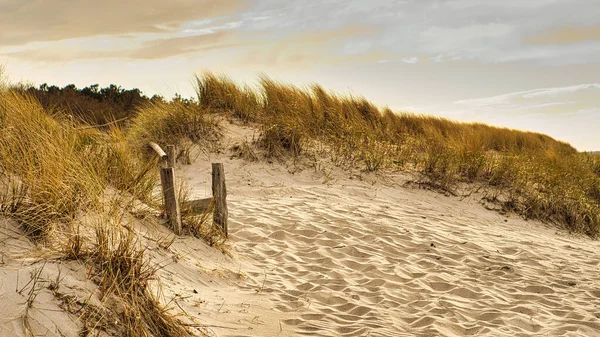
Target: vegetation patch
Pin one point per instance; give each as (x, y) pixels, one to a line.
(64, 181)
(523, 172)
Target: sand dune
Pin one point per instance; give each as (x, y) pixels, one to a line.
(372, 258)
(26, 275)
(332, 253)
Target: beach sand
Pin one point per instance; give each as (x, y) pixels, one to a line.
(326, 252)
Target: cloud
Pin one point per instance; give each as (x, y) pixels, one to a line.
(312, 47)
(125, 48)
(569, 113)
(551, 92)
(191, 37)
(169, 47)
(565, 35)
(410, 60)
(294, 30)
(297, 48)
(555, 100)
(448, 39)
(444, 31)
(22, 22)
(534, 93)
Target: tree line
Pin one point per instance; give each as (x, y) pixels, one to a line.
(93, 104)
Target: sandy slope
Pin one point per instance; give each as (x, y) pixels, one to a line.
(331, 253)
(28, 273)
(372, 258)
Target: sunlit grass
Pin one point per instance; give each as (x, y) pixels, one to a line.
(54, 175)
(525, 172)
(55, 171)
(173, 123)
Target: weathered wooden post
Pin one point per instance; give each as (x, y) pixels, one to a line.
(158, 150)
(167, 179)
(171, 156)
(219, 190)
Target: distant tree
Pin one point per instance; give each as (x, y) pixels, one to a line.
(186, 101)
(69, 87)
(92, 91)
(92, 104)
(157, 99)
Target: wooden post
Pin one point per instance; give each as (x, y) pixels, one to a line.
(167, 179)
(219, 190)
(171, 156)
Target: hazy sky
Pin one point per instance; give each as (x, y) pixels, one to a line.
(527, 64)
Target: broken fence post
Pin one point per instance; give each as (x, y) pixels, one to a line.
(167, 179)
(159, 151)
(171, 156)
(219, 190)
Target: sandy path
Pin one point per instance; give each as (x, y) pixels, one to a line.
(351, 264)
(356, 259)
(368, 257)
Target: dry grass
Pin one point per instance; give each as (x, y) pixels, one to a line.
(3, 79)
(123, 273)
(175, 123)
(243, 150)
(199, 224)
(55, 175)
(124, 169)
(524, 172)
(220, 93)
(44, 170)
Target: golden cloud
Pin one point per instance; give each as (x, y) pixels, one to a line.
(160, 48)
(258, 48)
(308, 48)
(565, 35)
(24, 22)
(168, 47)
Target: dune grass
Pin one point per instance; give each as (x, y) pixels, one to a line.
(173, 123)
(523, 172)
(54, 174)
(124, 274)
(43, 170)
(54, 171)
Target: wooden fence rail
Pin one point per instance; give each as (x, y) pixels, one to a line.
(199, 206)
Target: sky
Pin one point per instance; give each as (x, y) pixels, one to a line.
(530, 65)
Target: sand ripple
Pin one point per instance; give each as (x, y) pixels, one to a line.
(349, 265)
(369, 257)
